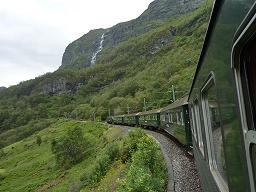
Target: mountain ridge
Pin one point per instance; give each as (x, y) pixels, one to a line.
(79, 53)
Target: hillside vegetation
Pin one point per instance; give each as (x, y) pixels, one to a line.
(141, 67)
(109, 160)
(47, 141)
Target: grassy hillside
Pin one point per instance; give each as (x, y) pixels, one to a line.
(27, 166)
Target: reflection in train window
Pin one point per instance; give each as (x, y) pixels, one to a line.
(198, 127)
(248, 78)
(181, 118)
(177, 117)
(253, 158)
(214, 134)
(193, 125)
(167, 117)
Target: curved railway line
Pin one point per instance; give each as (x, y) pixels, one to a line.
(182, 173)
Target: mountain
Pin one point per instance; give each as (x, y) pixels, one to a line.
(129, 69)
(2, 88)
(79, 53)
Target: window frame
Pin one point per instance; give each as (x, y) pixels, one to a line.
(199, 126)
(211, 83)
(181, 118)
(193, 122)
(178, 118)
(247, 33)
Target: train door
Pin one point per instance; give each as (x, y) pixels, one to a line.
(244, 65)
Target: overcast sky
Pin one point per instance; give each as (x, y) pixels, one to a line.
(35, 33)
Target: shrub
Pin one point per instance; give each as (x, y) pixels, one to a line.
(2, 153)
(131, 143)
(148, 169)
(3, 174)
(38, 140)
(74, 187)
(101, 165)
(70, 149)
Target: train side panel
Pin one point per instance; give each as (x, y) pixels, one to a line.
(217, 135)
(176, 123)
(149, 120)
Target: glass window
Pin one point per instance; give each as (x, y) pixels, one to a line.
(181, 118)
(193, 124)
(163, 117)
(253, 158)
(199, 127)
(177, 117)
(214, 134)
(248, 79)
(167, 117)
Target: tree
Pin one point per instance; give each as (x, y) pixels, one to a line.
(70, 149)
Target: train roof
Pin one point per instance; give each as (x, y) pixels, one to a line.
(209, 31)
(118, 116)
(153, 111)
(132, 114)
(182, 101)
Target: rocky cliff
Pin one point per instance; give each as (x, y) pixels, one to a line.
(84, 51)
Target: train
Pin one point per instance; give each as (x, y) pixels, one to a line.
(173, 119)
(218, 116)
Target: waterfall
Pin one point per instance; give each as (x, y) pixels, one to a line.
(94, 55)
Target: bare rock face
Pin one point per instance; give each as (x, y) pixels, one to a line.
(59, 86)
(162, 41)
(54, 86)
(79, 53)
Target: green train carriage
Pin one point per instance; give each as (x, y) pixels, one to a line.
(222, 100)
(131, 119)
(119, 119)
(150, 119)
(174, 119)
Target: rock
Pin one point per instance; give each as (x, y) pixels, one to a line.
(59, 86)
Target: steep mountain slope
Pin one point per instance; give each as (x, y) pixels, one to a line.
(80, 53)
(143, 66)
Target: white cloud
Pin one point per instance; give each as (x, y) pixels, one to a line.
(35, 33)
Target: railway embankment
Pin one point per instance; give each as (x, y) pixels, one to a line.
(182, 172)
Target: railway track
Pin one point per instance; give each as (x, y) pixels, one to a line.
(183, 176)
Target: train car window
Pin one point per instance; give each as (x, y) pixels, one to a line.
(198, 126)
(193, 125)
(181, 118)
(177, 117)
(213, 134)
(253, 158)
(167, 117)
(247, 89)
(163, 117)
(248, 79)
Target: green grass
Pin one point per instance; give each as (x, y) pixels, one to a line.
(110, 158)
(31, 167)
